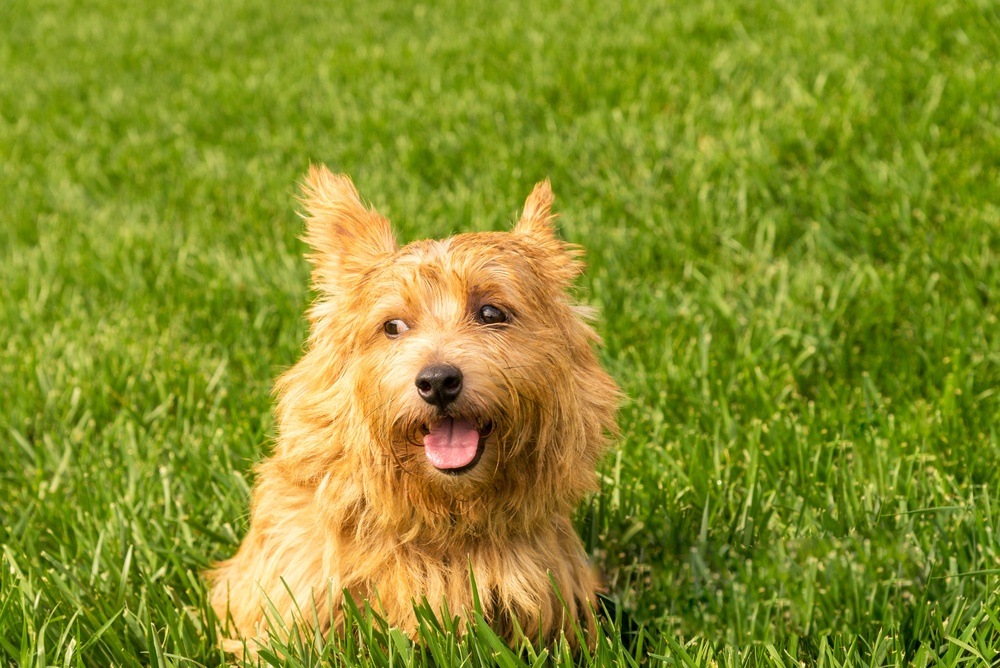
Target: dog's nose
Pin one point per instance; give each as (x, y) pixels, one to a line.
(439, 384)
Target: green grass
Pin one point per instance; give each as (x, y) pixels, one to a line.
(792, 221)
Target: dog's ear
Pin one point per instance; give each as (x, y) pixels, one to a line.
(538, 224)
(537, 218)
(345, 236)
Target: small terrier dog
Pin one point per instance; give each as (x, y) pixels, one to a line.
(448, 414)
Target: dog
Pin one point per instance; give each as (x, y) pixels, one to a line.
(447, 416)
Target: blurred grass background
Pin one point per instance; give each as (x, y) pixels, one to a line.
(792, 222)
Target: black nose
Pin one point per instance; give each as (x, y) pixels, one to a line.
(439, 384)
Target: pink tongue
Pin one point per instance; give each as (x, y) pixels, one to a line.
(452, 444)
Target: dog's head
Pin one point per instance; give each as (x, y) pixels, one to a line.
(465, 363)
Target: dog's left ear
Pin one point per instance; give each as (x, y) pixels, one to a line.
(345, 236)
(538, 224)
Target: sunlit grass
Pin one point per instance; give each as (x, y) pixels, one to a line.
(791, 218)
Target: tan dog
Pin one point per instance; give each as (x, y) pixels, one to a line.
(449, 410)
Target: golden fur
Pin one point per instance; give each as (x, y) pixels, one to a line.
(348, 500)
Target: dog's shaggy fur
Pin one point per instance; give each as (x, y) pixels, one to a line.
(356, 499)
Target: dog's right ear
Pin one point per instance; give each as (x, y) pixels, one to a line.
(345, 236)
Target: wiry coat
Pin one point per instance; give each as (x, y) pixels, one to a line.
(348, 500)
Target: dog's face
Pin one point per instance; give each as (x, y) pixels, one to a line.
(464, 356)
(461, 340)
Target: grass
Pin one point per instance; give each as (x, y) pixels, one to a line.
(792, 225)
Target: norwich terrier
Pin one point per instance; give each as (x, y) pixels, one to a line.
(448, 414)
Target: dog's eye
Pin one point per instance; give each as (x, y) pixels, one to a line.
(491, 315)
(394, 328)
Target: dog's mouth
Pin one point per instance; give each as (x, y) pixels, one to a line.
(455, 445)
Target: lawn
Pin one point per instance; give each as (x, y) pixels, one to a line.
(792, 219)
